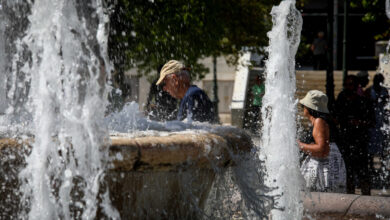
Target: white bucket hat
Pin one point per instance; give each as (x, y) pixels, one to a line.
(170, 67)
(316, 100)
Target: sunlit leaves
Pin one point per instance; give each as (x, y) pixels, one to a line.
(187, 30)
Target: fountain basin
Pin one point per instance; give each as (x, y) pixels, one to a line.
(168, 153)
(170, 176)
(166, 176)
(345, 206)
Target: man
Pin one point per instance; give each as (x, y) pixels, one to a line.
(160, 105)
(355, 117)
(363, 81)
(195, 104)
(319, 48)
(379, 98)
(257, 91)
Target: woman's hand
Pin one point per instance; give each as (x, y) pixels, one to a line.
(300, 145)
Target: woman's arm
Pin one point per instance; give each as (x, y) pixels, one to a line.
(320, 147)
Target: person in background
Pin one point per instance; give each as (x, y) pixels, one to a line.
(160, 105)
(354, 115)
(379, 98)
(257, 91)
(324, 168)
(363, 81)
(195, 104)
(319, 47)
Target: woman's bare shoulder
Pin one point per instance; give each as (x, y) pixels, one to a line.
(320, 123)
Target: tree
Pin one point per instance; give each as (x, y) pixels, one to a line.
(374, 13)
(372, 9)
(146, 34)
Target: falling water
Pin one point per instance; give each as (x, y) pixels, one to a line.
(388, 8)
(58, 61)
(384, 69)
(279, 110)
(60, 64)
(386, 58)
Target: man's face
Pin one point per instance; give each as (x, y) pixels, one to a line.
(364, 81)
(350, 86)
(170, 85)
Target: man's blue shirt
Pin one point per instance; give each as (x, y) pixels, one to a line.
(196, 105)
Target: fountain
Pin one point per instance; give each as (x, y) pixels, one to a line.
(62, 157)
(279, 110)
(59, 160)
(63, 62)
(384, 68)
(384, 65)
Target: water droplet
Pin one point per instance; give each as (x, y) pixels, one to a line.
(68, 173)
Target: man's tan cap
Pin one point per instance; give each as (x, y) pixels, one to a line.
(316, 100)
(170, 67)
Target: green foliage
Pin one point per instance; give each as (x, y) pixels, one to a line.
(146, 34)
(374, 13)
(304, 53)
(385, 34)
(372, 9)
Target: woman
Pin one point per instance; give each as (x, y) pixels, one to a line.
(324, 168)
